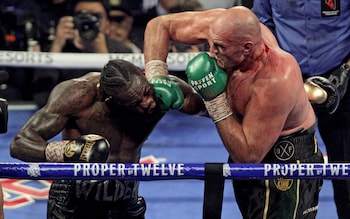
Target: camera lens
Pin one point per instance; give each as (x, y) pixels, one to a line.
(87, 24)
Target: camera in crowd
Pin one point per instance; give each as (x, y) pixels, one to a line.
(87, 24)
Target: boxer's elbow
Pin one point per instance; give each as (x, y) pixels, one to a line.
(193, 105)
(15, 149)
(246, 156)
(249, 159)
(25, 150)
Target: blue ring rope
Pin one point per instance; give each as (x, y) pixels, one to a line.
(170, 171)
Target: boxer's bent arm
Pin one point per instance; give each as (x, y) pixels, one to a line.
(249, 139)
(30, 142)
(67, 98)
(186, 27)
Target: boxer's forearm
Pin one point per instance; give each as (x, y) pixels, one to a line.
(157, 41)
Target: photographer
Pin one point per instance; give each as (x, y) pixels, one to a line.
(86, 32)
(121, 23)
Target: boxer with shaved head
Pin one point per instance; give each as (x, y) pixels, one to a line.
(255, 94)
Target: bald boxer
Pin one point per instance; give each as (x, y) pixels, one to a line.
(103, 117)
(254, 92)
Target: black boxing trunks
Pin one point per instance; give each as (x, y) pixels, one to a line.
(91, 199)
(283, 198)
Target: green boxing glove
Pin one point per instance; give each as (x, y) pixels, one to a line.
(206, 77)
(167, 93)
(209, 80)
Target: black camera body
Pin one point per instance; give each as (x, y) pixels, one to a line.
(87, 24)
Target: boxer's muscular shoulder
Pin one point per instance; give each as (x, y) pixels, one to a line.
(92, 76)
(268, 37)
(74, 94)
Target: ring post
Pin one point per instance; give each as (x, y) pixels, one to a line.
(214, 182)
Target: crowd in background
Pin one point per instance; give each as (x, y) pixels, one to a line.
(47, 26)
(51, 26)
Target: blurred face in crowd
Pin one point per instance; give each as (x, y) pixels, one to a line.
(167, 4)
(120, 24)
(94, 8)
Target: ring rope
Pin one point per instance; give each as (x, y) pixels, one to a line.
(170, 171)
(175, 61)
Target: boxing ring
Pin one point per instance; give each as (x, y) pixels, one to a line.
(175, 61)
(200, 171)
(213, 174)
(172, 171)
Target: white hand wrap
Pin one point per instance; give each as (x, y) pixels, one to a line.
(54, 151)
(156, 68)
(218, 108)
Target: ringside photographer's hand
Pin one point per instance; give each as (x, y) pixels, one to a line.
(64, 31)
(98, 45)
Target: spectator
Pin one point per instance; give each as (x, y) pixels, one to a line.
(161, 8)
(121, 23)
(317, 33)
(181, 6)
(69, 39)
(189, 5)
(246, 3)
(13, 15)
(50, 14)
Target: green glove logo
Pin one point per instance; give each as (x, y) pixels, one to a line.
(205, 82)
(167, 93)
(205, 76)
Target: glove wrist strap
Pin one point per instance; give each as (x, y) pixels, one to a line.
(218, 108)
(156, 68)
(54, 151)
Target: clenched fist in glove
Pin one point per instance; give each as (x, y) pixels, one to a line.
(340, 78)
(322, 93)
(167, 93)
(87, 148)
(209, 80)
(326, 93)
